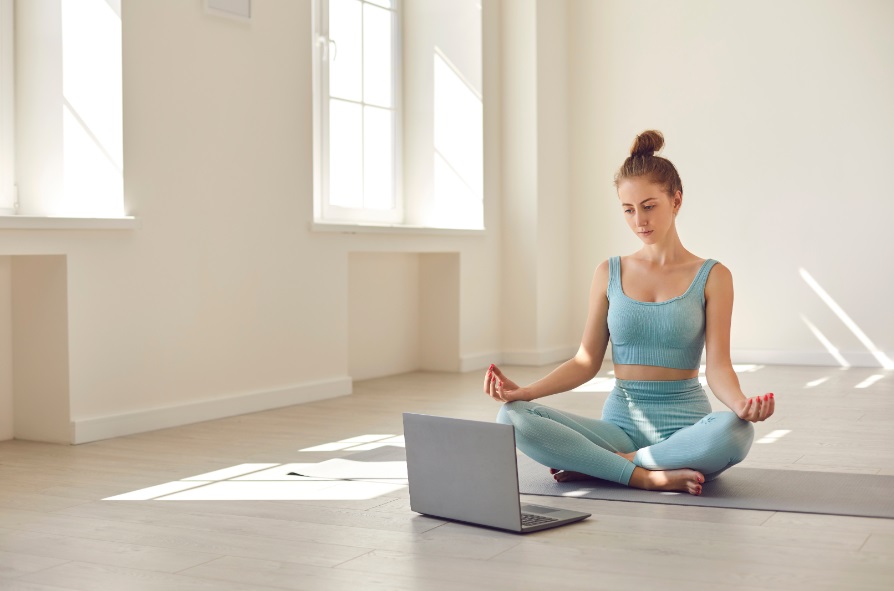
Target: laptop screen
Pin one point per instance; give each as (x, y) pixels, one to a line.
(464, 470)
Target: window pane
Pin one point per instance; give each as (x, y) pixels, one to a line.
(345, 55)
(379, 158)
(345, 154)
(377, 55)
(383, 3)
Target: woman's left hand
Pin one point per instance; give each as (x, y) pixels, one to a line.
(756, 408)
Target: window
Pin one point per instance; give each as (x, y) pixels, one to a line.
(7, 110)
(398, 113)
(69, 116)
(357, 111)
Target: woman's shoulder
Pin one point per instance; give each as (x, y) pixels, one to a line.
(719, 277)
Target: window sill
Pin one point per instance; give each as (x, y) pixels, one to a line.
(346, 228)
(33, 222)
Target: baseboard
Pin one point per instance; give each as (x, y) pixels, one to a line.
(816, 358)
(86, 430)
(539, 356)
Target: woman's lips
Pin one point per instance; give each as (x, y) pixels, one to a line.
(646, 233)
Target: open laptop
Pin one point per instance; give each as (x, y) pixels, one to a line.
(466, 471)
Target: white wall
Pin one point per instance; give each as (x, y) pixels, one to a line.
(6, 392)
(224, 301)
(778, 117)
(383, 314)
(535, 257)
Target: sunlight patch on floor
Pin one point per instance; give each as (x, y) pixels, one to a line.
(332, 480)
(353, 443)
(816, 383)
(597, 385)
(869, 381)
(774, 436)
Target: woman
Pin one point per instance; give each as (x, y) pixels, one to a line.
(660, 307)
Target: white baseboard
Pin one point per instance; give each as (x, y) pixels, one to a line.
(539, 356)
(86, 430)
(818, 358)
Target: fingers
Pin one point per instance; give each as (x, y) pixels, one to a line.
(488, 375)
(769, 405)
(759, 408)
(493, 386)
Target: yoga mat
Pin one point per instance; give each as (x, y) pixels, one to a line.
(831, 493)
(798, 491)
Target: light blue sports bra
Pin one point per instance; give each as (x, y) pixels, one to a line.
(665, 334)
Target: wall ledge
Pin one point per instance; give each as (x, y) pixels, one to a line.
(34, 222)
(370, 228)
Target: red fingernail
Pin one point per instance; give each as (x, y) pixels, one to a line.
(501, 384)
(491, 367)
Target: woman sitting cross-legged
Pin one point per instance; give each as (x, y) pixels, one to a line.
(659, 307)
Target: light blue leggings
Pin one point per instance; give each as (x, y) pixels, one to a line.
(668, 423)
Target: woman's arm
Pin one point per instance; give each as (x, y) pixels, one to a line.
(722, 379)
(576, 371)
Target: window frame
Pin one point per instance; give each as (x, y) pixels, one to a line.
(324, 211)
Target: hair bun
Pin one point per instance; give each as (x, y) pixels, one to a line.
(647, 143)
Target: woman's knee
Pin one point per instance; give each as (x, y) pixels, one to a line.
(504, 415)
(737, 434)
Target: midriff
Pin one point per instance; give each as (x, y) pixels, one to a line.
(653, 373)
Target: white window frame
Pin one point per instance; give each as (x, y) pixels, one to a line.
(323, 210)
(8, 197)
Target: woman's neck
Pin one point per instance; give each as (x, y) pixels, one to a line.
(669, 252)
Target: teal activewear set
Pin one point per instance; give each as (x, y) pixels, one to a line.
(668, 423)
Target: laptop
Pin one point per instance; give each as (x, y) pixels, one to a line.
(466, 471)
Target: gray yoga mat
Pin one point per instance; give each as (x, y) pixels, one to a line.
(832, 493)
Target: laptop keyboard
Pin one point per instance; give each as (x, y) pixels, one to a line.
(529, 519)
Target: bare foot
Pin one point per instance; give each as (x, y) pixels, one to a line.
(683, 480)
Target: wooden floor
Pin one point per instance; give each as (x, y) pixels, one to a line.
(58, 532)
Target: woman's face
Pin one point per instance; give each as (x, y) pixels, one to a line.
(647, 208)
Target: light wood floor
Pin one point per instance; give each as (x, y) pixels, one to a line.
(57, 532)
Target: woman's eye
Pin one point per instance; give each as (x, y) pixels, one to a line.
(648, 207)
(628, 211)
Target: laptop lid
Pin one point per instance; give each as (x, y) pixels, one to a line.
(463, 470)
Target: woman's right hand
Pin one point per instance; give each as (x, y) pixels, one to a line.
(501, 388)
